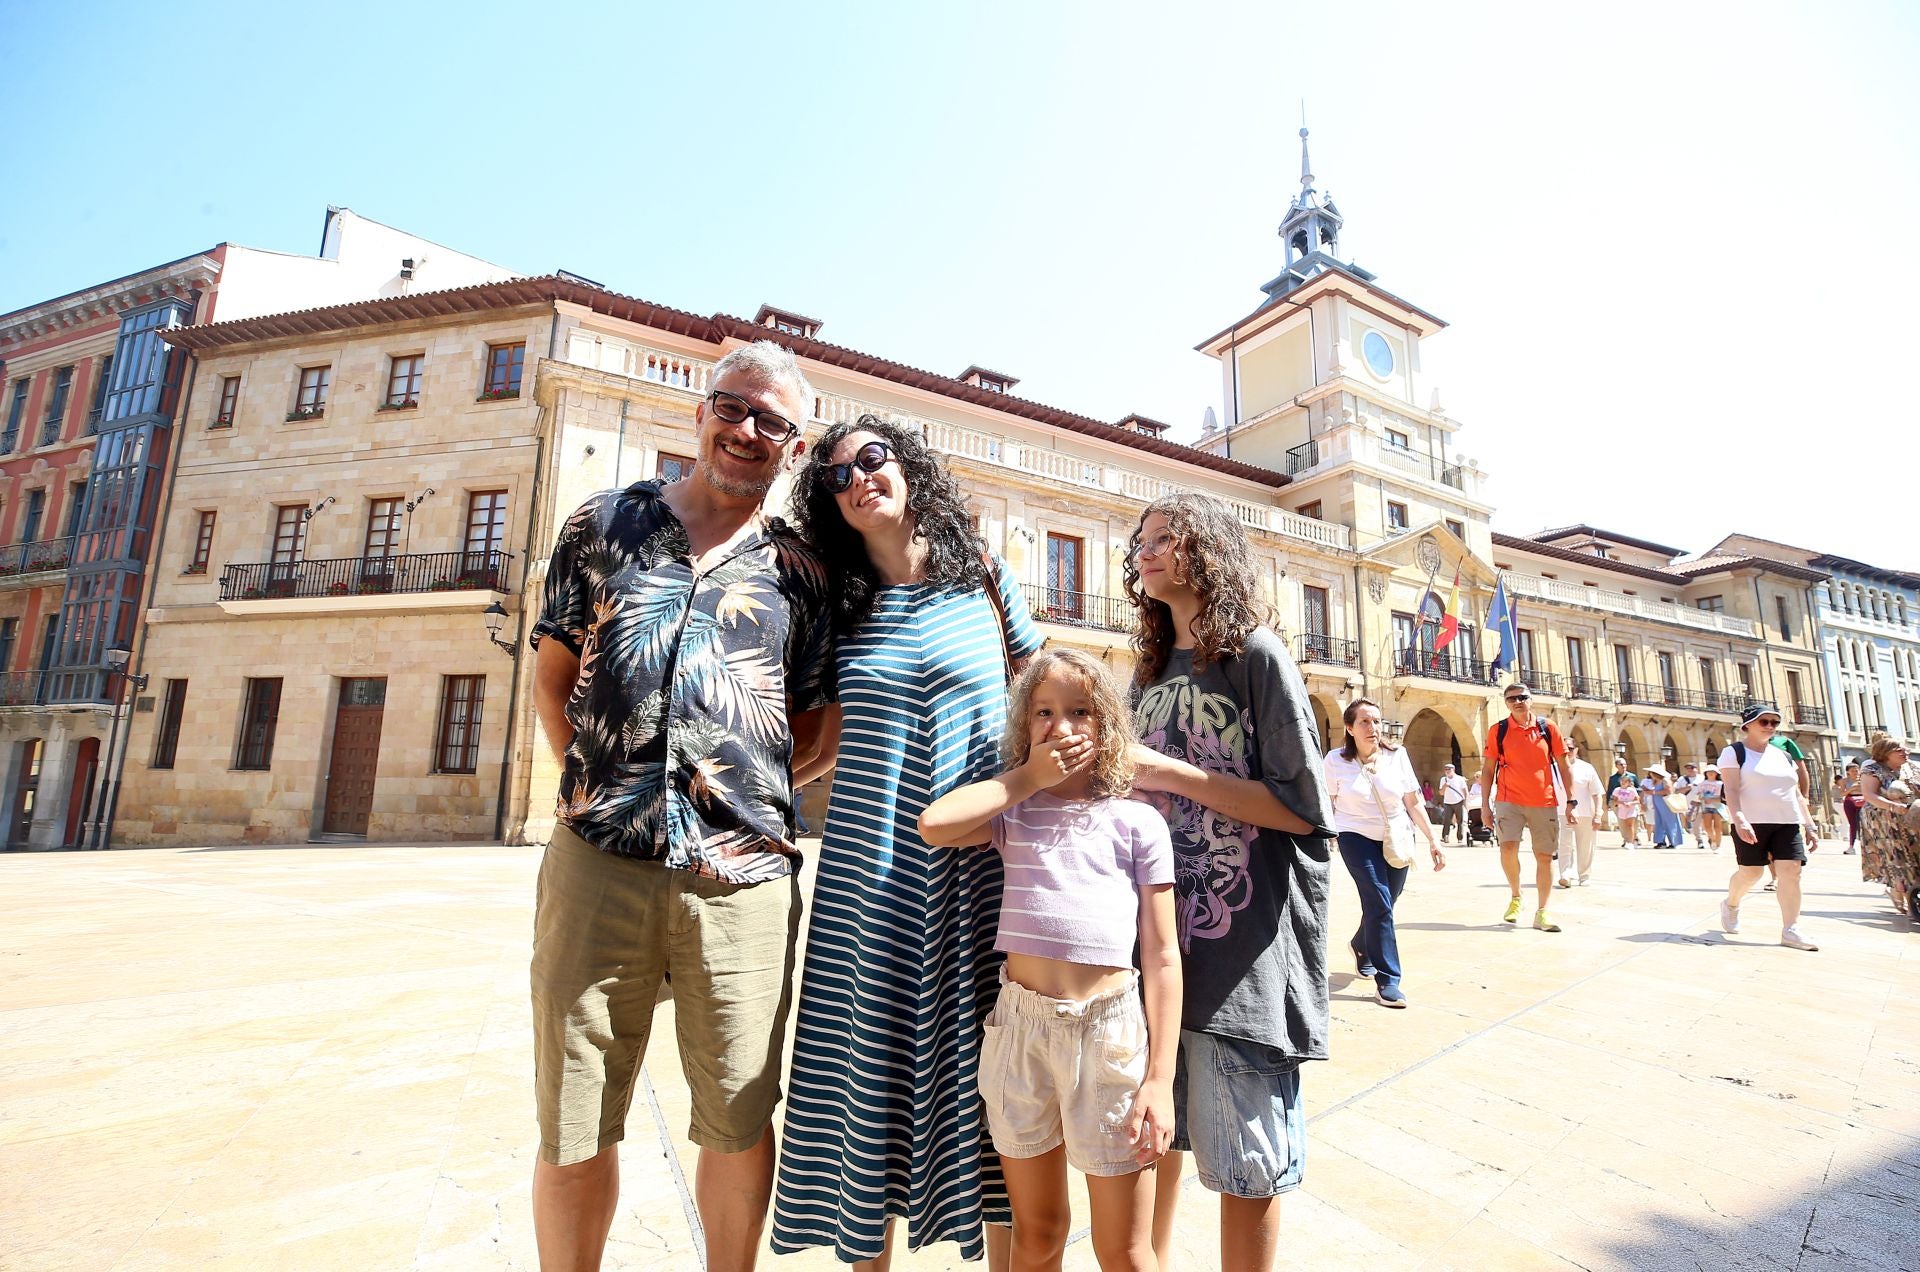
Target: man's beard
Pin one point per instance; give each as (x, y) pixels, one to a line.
(736, 488)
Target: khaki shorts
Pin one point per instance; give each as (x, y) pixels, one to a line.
(1542, 823)
(606, 930)
(1054, 1072)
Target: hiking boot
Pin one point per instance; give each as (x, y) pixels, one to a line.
(1513, 911)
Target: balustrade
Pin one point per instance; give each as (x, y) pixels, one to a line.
(1079, 609)
(367, 576)
(1316, 648)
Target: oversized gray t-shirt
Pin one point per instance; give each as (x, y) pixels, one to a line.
(1252, 902)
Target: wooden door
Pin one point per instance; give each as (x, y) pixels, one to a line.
(356, 756)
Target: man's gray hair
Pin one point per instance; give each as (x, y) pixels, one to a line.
(767, 363)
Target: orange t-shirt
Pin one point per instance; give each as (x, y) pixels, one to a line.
(1522, 767)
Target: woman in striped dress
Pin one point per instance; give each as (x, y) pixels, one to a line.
(883, 1117)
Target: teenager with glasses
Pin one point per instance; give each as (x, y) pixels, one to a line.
(1769, 815)
(1520, 796)
(884, 1120)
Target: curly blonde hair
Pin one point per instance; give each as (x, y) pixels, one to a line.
(1210, 548)
(1112, 773)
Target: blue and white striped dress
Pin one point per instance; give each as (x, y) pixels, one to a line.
(883, 1107)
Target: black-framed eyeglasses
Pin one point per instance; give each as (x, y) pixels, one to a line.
(870, 458)
(733, 408)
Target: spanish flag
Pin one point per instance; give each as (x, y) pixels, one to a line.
(1450, 620)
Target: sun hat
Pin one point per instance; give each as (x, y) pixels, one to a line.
(1757, 709)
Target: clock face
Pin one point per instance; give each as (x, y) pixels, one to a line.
(1378, 353)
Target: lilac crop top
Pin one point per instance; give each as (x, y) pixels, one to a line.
(1074, 868)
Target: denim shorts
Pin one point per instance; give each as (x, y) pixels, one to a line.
(1237, 1110)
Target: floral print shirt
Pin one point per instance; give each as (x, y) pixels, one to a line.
(687, 683)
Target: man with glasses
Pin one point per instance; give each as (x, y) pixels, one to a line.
(1453, 804)
(1769, 813)
(1518, 794)
(683, 677)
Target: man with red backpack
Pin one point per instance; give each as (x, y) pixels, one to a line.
(1518, 793)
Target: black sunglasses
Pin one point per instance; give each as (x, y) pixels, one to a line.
(1521, 697)
(870, 458)
(733, 408)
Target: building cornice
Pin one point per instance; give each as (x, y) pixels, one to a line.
(718, 330)
(106, 300)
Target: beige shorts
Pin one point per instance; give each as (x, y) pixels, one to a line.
(1543, 825)
(1054, 1072)
(606, 930)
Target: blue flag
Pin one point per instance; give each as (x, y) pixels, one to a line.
(1500, 620)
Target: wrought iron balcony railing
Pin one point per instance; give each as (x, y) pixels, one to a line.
(1724, 703)
(1313, 647)
(1079, 609)
(1592, 688)
(34, 556)
(1464, 668)
(1302, 457)
(23, 688)
(367, 576)
(50, 431)
(1816, 716)
(1548, 683)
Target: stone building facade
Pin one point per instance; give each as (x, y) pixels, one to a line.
(91, 393)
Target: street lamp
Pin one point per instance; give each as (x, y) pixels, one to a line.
(116, 665)
(496, 616)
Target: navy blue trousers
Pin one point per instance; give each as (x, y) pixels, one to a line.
(1379, 885)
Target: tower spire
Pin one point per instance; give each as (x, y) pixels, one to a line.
(1306, 165)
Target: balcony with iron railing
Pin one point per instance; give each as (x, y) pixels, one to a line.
(1079, 609)
(1312, 647)
(1816, 716)
(1549, 684)
(50, 430)
(18, 561)
(1461, 668)
(1302, 457)
(23, 688)
(1592, 688)
(367, 582)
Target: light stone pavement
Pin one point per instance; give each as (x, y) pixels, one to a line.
(318, 1058)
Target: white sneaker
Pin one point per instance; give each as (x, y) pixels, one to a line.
(1729, 917)
(1791, 938)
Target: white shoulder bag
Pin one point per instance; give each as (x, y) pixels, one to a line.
(1397, 847)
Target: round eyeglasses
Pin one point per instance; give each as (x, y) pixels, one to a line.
(870, 458)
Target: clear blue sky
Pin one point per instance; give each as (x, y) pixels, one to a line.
(1674, 240)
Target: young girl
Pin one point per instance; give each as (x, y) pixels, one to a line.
(1626, 811)
(1711, 792)
(1071, 1069)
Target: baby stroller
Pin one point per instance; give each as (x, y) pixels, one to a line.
(1478, 832)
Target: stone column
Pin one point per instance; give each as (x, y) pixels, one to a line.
(49, 828)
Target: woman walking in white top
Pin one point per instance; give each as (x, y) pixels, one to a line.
(1373, 788)
(1762, 788)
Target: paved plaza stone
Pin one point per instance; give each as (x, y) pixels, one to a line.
(319, 1057)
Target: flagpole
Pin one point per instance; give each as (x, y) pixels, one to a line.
(1433, 656)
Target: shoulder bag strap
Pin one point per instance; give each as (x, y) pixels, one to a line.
(999, 604)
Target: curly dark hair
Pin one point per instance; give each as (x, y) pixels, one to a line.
(956, 554)
(1210, 547)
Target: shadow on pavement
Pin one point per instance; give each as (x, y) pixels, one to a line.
(1869, 1219)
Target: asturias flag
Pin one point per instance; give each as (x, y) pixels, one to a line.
(1450, 620)
(1500, 619)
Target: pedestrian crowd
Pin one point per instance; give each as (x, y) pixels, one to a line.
(1059, 922)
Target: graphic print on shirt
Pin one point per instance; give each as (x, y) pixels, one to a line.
(1211, 878)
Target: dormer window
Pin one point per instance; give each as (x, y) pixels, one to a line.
(991, 381)
(1141, 424)
(787, 323)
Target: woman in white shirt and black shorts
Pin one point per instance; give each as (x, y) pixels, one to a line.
(1762, 788)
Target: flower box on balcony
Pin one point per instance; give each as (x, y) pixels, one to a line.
(305, 413)
(472, 580)
(405, 404)
(497, 395)
(226, 420)
(253, 594)
(440, 585)
(375, 586)
(337, 589)
(8, 569)
(195, 569)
